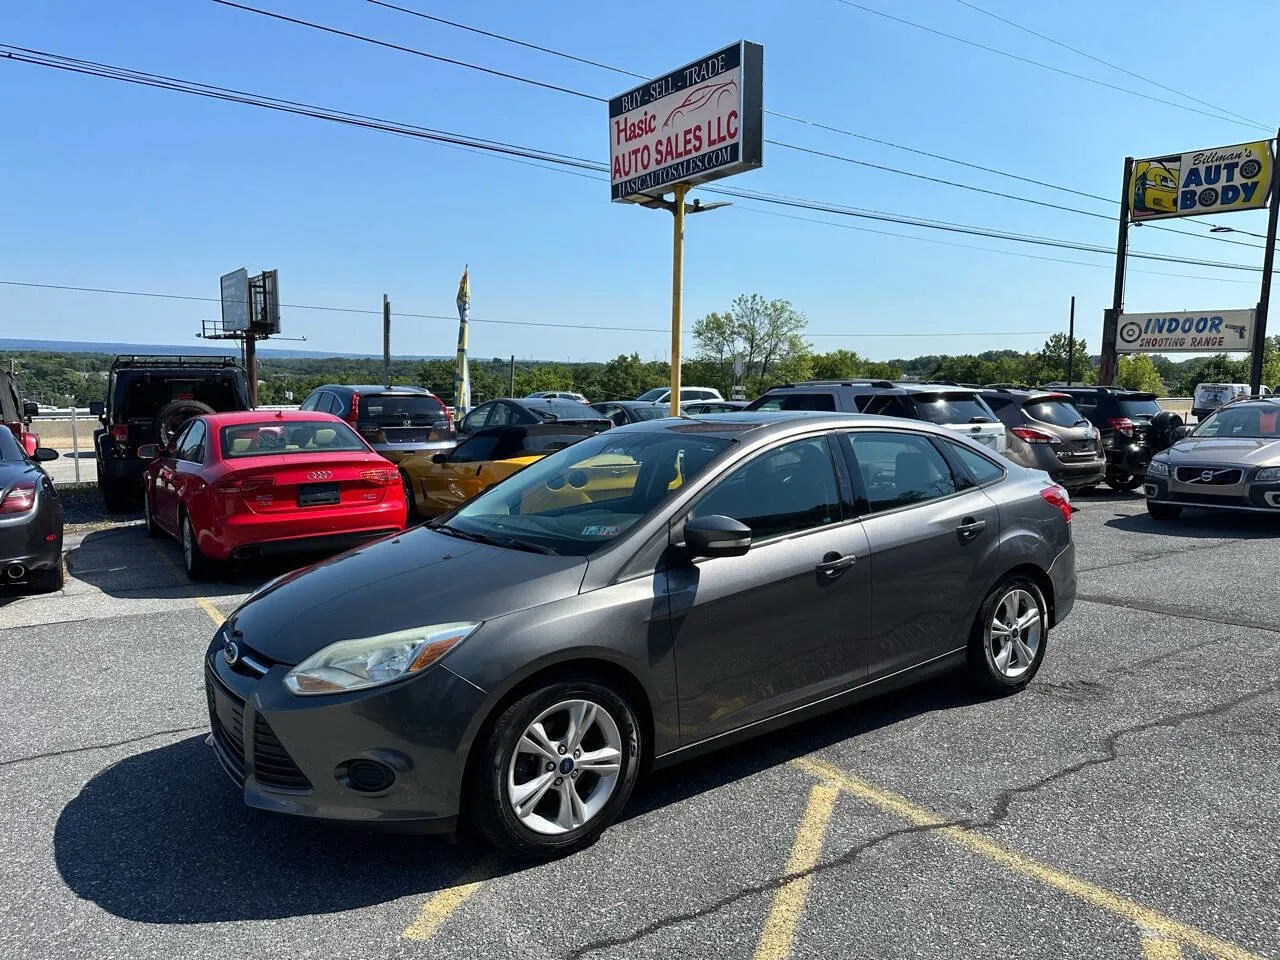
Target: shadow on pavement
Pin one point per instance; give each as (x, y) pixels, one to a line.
(1202, 524)
(163, 837)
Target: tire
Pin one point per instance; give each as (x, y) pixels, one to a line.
(148, 521)
(538, 832)
(197, 565)
(115, 495)
(1124, 482)
(1163, 511)
(411, 515)
(172, 416)
(1010, 601)
(46, 581)
(1250, 168)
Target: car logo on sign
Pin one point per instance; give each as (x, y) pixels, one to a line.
(319, 474)
(231, 653)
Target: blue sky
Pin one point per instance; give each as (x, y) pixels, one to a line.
(109, 185)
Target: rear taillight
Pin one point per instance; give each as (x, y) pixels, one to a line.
(354, 416)
(1122, 425)
(1057, 496)
(379, 476)
(1033, 436)
(249, 486)
(448, 417)
(120, 433)
(20, 498)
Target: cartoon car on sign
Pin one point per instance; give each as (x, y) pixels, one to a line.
(1155, 188)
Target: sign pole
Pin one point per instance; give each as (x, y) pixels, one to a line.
(251, 366)
(1111, 318)
(677, 291)
(386, 340)
(1071, 339)
(1264, 296)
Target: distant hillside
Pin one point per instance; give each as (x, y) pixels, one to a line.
(82, 346)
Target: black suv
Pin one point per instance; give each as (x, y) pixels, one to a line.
(957, 408)
(149, 398)
(396, 421)
(1124, 419)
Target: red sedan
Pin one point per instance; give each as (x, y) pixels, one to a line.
(235, 485)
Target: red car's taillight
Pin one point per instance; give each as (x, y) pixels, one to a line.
(20, 498)
(1032, 435)
(120, 433)
(249, 486)
(379, 476)
(1057, 496)
(1121, 425)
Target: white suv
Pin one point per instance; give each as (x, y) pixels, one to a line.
(663, 394)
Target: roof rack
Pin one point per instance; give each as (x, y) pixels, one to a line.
(844, 382)
(162, 361)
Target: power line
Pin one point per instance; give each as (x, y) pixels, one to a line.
(508, 151)
(1107, 63)
(510, 323)
(1041, 64)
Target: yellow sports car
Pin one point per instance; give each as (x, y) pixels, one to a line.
(446, 480)
(1155, 189)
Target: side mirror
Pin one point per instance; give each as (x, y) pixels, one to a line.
(44, 454)
(148, 451)
(29, 409)
(440, 458)
(97, 408)
(1182, 431)
(716, 536)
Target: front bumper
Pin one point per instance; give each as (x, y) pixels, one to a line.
(289, 753)
(1258, 497)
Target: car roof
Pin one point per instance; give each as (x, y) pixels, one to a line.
(752, 425)
(266, 416)
(638, 403)
(878, 386)
(1019, 393)
(367, 388)
(552, 404)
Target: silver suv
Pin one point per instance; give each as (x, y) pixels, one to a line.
(1045, 432)
(1230, 461)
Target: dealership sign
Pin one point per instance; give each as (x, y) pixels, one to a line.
(1205, 331)
(699, 123)
(1220, 180)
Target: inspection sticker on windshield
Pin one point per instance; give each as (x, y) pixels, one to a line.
(598, 531)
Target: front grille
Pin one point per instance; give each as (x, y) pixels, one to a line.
(226, 719)
(1209, 476)
(272, 765)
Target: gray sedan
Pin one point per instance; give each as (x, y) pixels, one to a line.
(646, 595)
(1230, 461)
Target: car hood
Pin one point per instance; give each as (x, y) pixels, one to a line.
(410, 580)
(1245, 451)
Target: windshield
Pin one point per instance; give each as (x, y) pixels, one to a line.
(297, 436)
(1259, 423)
(1139, 406)
(654, 395)
(1058, 412)
(953, 408)
(579, 500)
(144, 396)
(647, 413)
(387, 410)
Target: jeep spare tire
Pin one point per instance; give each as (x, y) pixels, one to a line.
(172, 417)
(1163, 430)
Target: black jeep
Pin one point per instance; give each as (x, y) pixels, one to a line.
(149, 398)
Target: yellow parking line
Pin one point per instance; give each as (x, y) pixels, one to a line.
(442, 905)
(1160, 948)
(211, 610)
(1157, 929)
(788, 902)
(181, 574)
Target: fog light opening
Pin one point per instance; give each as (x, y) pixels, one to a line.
(366, 776)
(1272, 497)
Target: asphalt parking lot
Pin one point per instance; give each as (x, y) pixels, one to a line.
(1123, 806)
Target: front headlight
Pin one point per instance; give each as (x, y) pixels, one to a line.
(1158, 468)
(370, 661)
(1268, 473)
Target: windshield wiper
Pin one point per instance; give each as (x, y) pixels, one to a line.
(510, 542)
(455, 532)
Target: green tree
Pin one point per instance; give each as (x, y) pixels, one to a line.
(1053, 361)
(1137, 371)
(767, 335)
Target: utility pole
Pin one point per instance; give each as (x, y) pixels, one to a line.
(1264, 296)
(251, 366)
(513, 376)
(1111, 318)
(386, 340)
(1071, 339)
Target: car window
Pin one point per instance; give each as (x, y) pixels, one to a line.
(997, 403)
(1058, 412)
(796, 401)
(543, 443)
(952, 408)
(885, 405)
(191, 447)
(1240, 421)
(617, 416)
(181, 440)
(784, 490)
(984, 471)
(1139, 406)
(476, 449)
(649, 413)
(654, 395)
(499, 416)
(900, 469)
(274, 438)
(400, 410)
(475, 420)
(9, 449)
(310, 402)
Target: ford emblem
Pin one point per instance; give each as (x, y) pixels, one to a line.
(231, 653)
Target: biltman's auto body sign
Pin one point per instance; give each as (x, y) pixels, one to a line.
(699, 123)
(1204, 331)
(1204, 181)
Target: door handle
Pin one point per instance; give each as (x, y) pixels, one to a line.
(970, 528)
(832, 563)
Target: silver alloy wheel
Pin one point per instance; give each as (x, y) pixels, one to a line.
(565, 767)
(1014, 634)
(188, 546)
